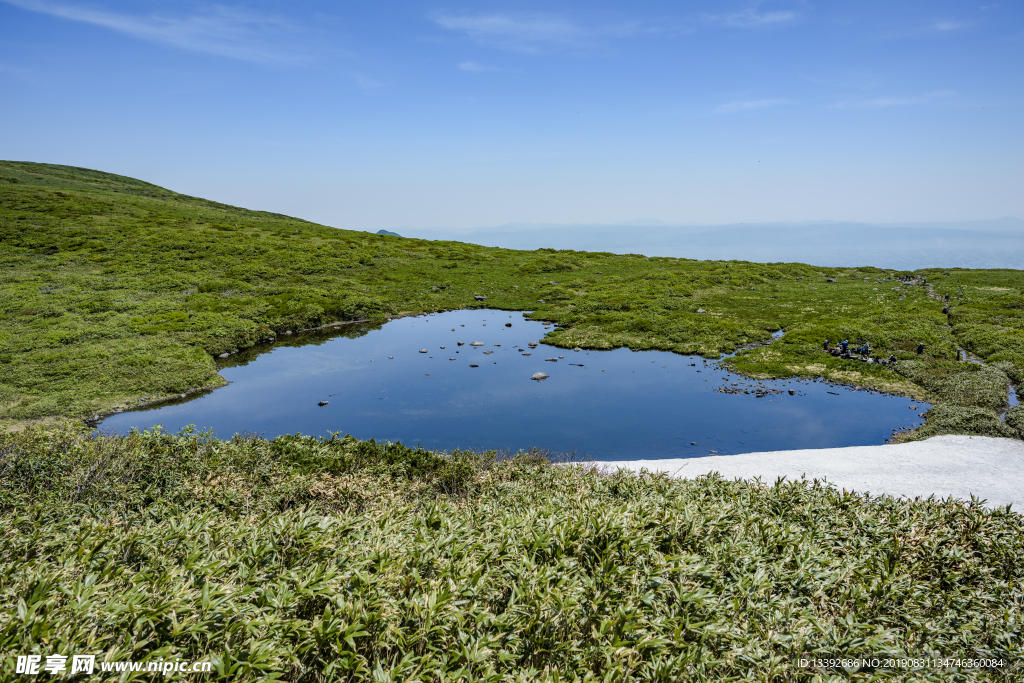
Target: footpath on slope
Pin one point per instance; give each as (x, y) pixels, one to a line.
(988, 468)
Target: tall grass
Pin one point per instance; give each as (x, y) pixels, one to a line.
(332, 559)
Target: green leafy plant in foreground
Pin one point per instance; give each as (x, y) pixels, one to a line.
(307, 559)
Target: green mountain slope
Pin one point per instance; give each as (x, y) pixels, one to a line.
(116, 292)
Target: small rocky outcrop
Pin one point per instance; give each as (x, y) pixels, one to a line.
(477, 343)
(322, 403)
(539, 376)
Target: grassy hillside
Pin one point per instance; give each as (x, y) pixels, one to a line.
(332, 559)
(115, 292)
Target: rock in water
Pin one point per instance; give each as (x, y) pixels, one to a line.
(488, 352)
(423, 350)
(461, 343)
(577, 349)
(792, 393)
(508, 324)
(476, 343)
(539, 376)
(553, 360)
(322, 403)
(473, 365)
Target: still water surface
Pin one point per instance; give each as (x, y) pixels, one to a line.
(606, 405)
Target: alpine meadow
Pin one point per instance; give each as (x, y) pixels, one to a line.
(323, 558)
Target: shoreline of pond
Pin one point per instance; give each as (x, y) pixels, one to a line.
(732, 426)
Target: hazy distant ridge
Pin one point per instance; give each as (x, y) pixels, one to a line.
(995, 243)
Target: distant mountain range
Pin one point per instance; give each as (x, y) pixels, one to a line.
(995, 243)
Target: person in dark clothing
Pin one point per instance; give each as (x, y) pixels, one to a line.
(845, 345)
(920, 349)
(945, 310)
(892, 359)
(825, 345)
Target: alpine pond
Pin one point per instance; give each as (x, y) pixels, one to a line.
(410, 380)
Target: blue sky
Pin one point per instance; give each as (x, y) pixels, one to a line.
(370, 115)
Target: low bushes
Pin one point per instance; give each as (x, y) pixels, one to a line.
(333, 559)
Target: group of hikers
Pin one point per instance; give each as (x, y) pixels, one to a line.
(861, 353)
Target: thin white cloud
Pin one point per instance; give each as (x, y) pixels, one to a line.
(733, 107)
(898, 101)
(943, 26)
(530, 33)
(223, 31)
(751, 17)
(366, 82)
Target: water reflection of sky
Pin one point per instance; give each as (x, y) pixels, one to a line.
(619, 405)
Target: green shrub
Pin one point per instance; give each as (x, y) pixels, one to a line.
(304, 559)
